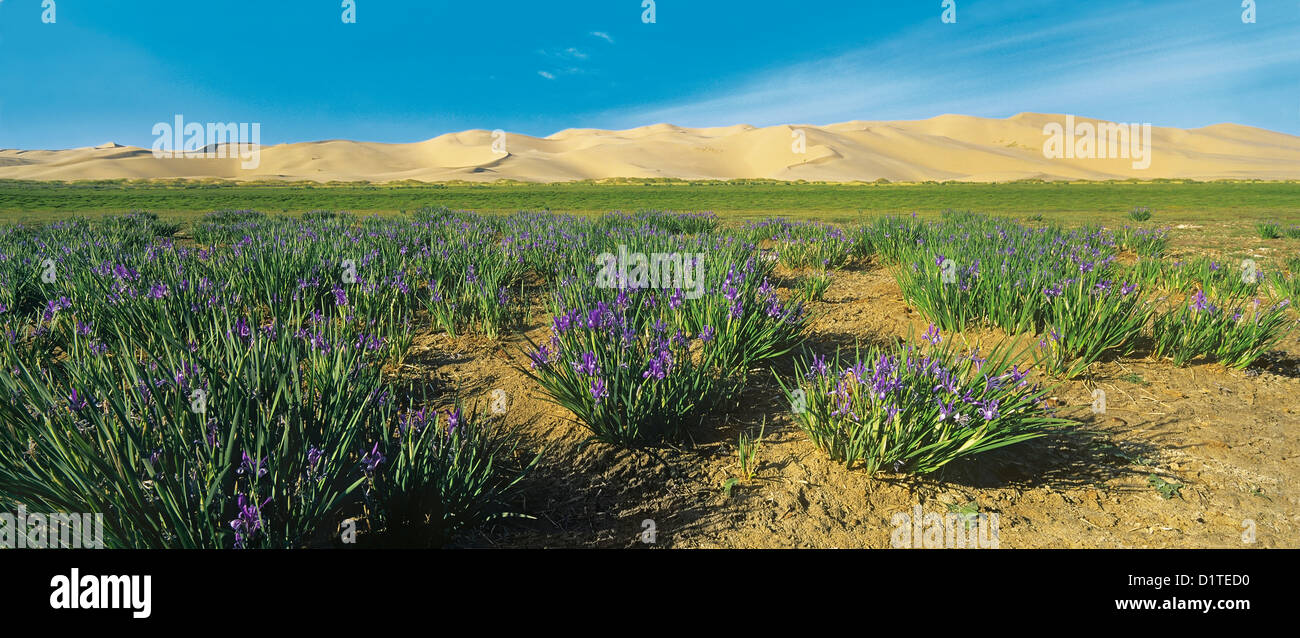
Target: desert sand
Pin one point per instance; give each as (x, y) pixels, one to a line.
(948, 147)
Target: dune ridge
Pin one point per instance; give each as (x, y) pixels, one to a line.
(947, 147)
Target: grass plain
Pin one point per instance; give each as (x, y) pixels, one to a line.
(1104, 202)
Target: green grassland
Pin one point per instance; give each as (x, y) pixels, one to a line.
(1106, 202)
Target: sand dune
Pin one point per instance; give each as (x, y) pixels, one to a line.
(948, 147)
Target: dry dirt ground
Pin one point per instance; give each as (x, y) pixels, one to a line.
(1228, 437)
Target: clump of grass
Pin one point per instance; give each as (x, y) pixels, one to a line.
(1139, 214)
(747, 449)
(747, 453)
(813, 287)
(1288, 286)
(1268, 230)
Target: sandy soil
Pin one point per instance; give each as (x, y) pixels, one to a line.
(948, 147)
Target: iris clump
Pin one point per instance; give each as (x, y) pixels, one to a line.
(439, 473)
(805, 244)
(1220, 278)
(630, 382)
(1236, 331)
(1139, 213)
(638, 365)
(1088, 322)
(1146, 242)
(644, 368)
(1268, 230)
(968, 270)
(917, 408)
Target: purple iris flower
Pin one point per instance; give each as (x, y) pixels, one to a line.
(76, 401)
(946, 410)
(249, 520)
(562, 322)
(372, 460)
(989, 410)
(675, 301)
(932, 335)
(1199, 302)
(819, 365)
(453, 420)
(598, 390)
(706, 334)
(251, 466)
(242, 329)
(679, 339)
(588, 365)
(658, 367)
(314, 455)
(541, 358)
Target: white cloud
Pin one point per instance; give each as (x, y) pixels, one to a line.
(547, 75)
(603, 36)
(1097, 67)
(571, 53)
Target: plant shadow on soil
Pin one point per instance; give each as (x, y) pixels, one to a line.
(1073, 457)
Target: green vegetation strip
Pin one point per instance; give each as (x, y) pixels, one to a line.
(39, 201)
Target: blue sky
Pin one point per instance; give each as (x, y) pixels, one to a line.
(410, 70)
